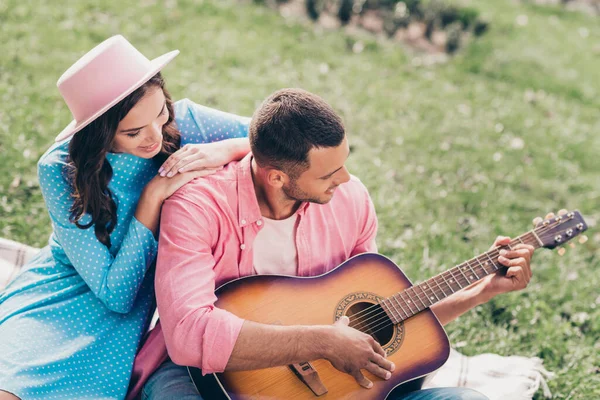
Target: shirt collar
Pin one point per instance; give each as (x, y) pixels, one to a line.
(249, 211)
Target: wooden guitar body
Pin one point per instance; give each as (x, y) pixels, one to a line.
(418, 346)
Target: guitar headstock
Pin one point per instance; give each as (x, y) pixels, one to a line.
(556, 231)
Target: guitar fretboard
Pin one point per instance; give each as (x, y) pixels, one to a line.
(417, 298)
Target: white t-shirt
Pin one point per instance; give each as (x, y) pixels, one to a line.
(274, 249)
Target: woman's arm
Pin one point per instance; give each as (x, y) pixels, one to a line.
(196, 157)
(114, 275)
(157, 191)
(210, 138)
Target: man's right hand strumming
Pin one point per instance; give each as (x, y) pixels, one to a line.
(351, 351)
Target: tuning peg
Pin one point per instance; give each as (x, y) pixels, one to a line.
(572, 245)
(583, 239)
(562, 251)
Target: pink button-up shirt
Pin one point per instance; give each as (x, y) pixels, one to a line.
(207, 232)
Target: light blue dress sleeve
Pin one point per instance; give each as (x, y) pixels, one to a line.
(200, 124)
(115, 275)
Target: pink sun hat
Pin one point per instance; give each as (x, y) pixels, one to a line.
(102, 77)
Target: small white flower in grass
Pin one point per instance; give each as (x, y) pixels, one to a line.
(499, 128)
(497, 156)
(401, 10)
(522, 20)
(16, 182)
(529, 96)
(464, 109)
(517, 143)
(358, 47)
(580, 317)
(323, 68)
(398, 243)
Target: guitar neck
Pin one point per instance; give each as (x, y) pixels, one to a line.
(417, 298)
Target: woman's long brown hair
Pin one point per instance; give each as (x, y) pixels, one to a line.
(89, 170)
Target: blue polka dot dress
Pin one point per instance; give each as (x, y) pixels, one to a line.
(71, 322)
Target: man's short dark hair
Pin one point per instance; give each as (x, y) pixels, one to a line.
(287, 125)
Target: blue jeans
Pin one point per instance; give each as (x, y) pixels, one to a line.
(172, 382)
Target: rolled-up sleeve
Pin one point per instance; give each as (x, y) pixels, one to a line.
(196, 332)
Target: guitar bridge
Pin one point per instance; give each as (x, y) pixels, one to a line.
(309, 376)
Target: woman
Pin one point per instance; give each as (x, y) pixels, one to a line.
(72, 321)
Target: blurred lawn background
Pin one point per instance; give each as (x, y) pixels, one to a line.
(453, 154)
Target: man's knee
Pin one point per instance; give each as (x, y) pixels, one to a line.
(450, 393)
(170, 382)
(465, 394)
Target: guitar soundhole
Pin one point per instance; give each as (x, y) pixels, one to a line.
(371, 319)
(366, 315)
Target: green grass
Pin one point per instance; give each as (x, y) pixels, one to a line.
(433, 144)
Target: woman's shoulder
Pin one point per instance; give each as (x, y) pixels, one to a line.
(57, 153)
(182, 110)
(53, 162)
(181, 104)
(181, 107)
(186, 109)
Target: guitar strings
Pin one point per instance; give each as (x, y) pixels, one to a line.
(382, 312)
(491, 254)
(373, 308)
(385, 319)
(369, 322)
(542, 231)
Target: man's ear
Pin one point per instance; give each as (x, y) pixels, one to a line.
(276, 178)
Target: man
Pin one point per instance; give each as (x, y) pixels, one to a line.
(290, 207)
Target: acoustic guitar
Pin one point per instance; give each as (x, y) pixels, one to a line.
(379, 300)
